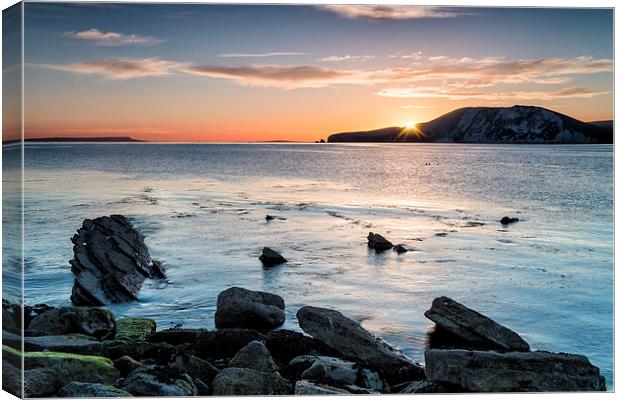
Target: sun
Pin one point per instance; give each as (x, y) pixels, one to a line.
(409, 124)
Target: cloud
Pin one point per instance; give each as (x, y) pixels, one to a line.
(458, 94)
(416, 55)
(113, 38)
(259, 55)
(120, 68)
(287, 77)
(394, 12)
(347, 57)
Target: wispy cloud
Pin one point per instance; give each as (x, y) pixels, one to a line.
(346, 57)
(416, 55)
(120, 68)
(262, 55)
(396, 12)
(113, 38)
(459, 94)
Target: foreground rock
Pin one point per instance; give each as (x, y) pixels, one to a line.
(246, 381)
(255, 356)
(508, 220)
(41, 382)
(63, 343)
(11, 378)
(284, 345)
(225, 343)
(378, 242)
(151, 380)
(309, 388)
(473, 327)
(481, 371)
(177, 336)
(110, 262)
(80, 389)
(135, 329)
(242, 308)
(271, 258)
(353, 341)
(91, 321)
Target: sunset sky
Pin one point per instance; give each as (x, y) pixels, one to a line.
(251, 73)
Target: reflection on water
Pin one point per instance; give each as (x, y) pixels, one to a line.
(202, 209)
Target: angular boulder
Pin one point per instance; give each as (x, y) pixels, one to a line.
(110, 262)
(487, 371)
(271, 258)
(81, 389)
(63, 344)
(378, 242)
(242, 308)
(152, 380)
(284, 345)
(304, 388)
(246, 381)
(196, 367)
(330, 370)
(91, 321)
(473, 327)
(73, 367)
(355, 342)
(254, 356)
(135, 329)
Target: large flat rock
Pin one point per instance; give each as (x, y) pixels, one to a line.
(242, 308)
(487, 371)
(474, 327)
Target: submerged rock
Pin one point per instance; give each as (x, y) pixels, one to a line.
(400, 249)
(353, 341)
(224, 343)
(378, 242)
(271, 257)
(474, 327)
(508, 220)
(255, 356)
(91, 321)
(81, 389)
(486, 371)
(242, 308)
(135, 329)
(110, 262)
(246, 381)
(304, 388)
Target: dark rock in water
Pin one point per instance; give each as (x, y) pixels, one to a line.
(378, 242)
(126, 364)
(473, 326)
(80, 389)
(157, 269)
(254, 356)
(399, 248)
(64, 344)
(177, 336)
(305, 388)
(269, 217)
(224, 343)
(110, 262)
(508, 220)
(242, 308)
(284, 345)
(353, 341)
(91, 321)
(135, 329)
(486, 371)
(246, 381)
(151, 380)
(271, 257)
(11, 379)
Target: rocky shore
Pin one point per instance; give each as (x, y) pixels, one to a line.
(85, 351)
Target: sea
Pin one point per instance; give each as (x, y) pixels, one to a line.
(202, 208)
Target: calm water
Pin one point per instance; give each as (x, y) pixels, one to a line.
(202, 209)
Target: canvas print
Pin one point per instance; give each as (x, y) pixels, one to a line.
(271, 199)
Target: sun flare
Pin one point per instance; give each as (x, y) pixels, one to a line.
(409, 124)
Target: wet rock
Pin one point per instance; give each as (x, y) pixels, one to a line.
(73, 367)
(81, 389)
(157, 270)
(160, 353)
(110, 262)
(508, 220)
(224, 343)
(430, 387)
(246, 381)
(11, 317)
(63, 343)
(135, 329)
(41, 382)
(304, 388)
(254, 356)
(242, 308)
(378, 242)
(330, 370)
(400, 249)
(202, 388)
(474, 327)
(11, 379)
(151, 380)
(91, 321)
(284, 345)
(353, 341)
(126, 364)
(485, 371)
(271, 257)
(269, 217)
(196, 367)
(177, 336)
